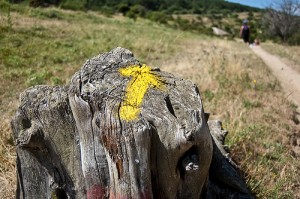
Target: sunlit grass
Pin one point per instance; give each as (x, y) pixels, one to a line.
(239, 89)
(46, 46)
(290, 54)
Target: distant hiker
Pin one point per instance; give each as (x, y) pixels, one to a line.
(245, 31)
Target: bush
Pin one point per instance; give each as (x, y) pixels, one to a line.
(198, 10)
(235, 16)
(131, 15)
(183, 24)
(123, 8)
(213, 12)
(107, 11)
(294, 39)
(43, 3)
(73, 5)
(35, 3)
(172, 9)
(136, 11)
(159, 17)
(230, 29)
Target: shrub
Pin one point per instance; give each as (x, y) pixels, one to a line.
(183, 24)
(235, 16)
(198, 10)
(136, 11)
(172, 9)
(43, 3)
(35, 3)
(159, 17)
(73, 5)
(107, 11)
(294, 39)
(123, 8)
(131, 15)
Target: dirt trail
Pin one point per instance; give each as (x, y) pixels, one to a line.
(290, 82)
(289, 78)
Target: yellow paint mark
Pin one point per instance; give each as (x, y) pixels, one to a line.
(142, 79)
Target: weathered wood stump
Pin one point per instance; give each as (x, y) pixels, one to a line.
(120, 130)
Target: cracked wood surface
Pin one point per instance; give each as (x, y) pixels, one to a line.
(72, 142)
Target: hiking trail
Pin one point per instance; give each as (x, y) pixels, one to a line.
(290, 83)
(288, 77)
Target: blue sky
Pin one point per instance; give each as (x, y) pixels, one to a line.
(253, 3)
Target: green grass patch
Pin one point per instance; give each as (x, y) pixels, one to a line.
(47, 46)
(68, 39)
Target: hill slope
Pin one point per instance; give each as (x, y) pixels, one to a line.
(46, 46)
(169, 6)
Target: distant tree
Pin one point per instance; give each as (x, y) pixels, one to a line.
(282, 18)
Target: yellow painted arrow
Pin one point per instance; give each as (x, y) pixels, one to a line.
(142, 79)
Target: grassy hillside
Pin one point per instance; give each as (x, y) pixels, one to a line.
(46, 46)
(168, 6)
(196, 16)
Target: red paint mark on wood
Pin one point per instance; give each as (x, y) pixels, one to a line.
(96, 192)
(112, 195)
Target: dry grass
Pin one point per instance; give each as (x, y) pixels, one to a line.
(7, 150)
(47, 46)
(236, 86)
(239, 89)
(7, 160)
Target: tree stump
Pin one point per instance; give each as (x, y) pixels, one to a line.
(121, 130)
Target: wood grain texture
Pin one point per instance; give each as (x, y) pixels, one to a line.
(72, 142)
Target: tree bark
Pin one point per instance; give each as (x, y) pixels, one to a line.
(121, 130)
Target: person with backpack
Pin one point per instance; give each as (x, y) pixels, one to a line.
(245, 31)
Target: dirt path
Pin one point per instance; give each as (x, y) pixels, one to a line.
(290, 82)
(289, 78)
